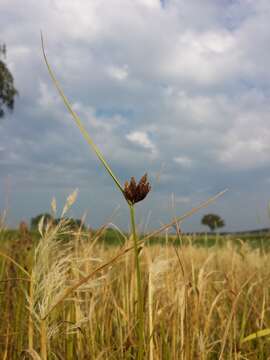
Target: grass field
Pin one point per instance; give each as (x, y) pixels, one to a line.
(67, 295)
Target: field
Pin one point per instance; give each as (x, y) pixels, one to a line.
(72, 295)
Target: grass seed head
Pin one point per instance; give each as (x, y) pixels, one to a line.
(136, 192)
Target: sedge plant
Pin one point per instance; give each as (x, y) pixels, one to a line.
(132, 193)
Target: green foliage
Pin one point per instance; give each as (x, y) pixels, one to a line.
(7, 88)
(213, 221)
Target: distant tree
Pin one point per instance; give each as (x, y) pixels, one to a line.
(7, 88)
(35, 220)
(213, 221)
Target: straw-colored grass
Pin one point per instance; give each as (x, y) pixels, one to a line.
(199, 303)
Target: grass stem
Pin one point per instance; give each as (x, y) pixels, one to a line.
(140, 314)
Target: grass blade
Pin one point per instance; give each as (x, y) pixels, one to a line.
(256, 335)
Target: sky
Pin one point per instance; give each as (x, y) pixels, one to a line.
(177, 89)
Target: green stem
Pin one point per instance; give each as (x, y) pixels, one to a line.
(140, 315)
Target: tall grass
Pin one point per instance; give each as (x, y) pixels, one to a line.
(198, 304)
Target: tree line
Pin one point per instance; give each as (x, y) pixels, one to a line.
(213, 221)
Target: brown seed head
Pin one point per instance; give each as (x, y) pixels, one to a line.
(135, 193)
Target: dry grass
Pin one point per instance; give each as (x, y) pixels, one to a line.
(198, 303)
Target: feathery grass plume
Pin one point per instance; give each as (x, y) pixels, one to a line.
(158, 268)
(54, 207)
(50, 276)
(70, 201)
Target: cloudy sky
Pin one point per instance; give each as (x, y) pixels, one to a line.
(178, 89)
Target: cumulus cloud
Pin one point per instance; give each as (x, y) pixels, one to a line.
(142, 139)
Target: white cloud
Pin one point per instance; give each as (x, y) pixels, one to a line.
(118, 73)
(142, 139)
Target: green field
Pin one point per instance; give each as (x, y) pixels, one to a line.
(256, 239)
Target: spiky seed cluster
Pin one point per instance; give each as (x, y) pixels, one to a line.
(135, 193)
